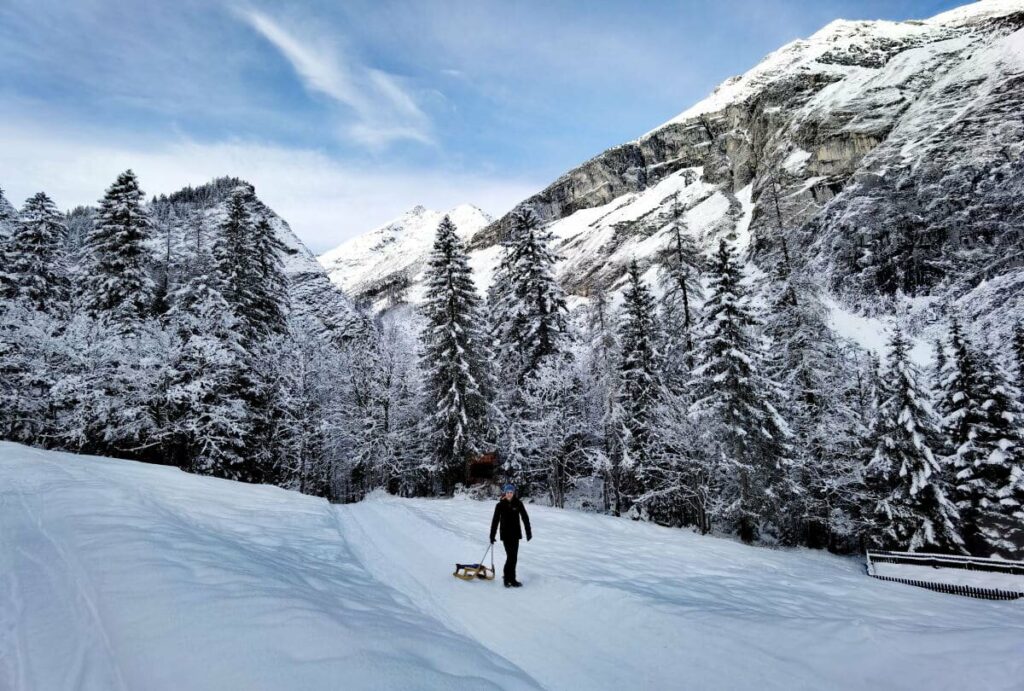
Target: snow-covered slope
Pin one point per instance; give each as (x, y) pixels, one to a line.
(119, 575)
(848, 49)
(386, 260)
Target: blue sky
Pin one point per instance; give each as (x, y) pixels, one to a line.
(344, 114)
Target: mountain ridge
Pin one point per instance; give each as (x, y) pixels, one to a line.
(822, 124)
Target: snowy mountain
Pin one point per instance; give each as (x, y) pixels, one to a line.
(894, 151)
(121, 575)
(191, 216)
(382, 264)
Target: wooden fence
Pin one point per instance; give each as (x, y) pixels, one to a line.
(950, 562)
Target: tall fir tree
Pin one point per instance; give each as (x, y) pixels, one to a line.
(811, 371)
(527, 324)
(270, 305)
(8, 217)
(453, 358)
(745, 437)
(602, 348)
(117, 285)
(998, 480)
(640, 385)
(681, 289)
(36, 263)
(981, 421)
(527, 310)
(246, 253)
(8, 220)
(939, 365)
(907, 486)
(205, 391)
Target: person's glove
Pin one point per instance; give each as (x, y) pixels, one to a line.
(492, 540)
(529, 537)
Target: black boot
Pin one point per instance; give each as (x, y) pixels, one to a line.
(516, 584)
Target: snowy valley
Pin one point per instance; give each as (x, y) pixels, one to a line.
(717, 363)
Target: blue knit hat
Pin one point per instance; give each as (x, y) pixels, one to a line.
(508, 487)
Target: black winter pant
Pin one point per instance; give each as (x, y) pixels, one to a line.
(511, 556)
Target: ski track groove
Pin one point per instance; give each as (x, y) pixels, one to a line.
(12, 655)
(436, 610)
(83, 597)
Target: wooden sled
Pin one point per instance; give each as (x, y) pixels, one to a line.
(469, 572)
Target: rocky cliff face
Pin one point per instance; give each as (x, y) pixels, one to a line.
(888, 156)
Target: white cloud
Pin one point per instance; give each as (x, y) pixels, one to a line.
(324, 200)
(384, 110)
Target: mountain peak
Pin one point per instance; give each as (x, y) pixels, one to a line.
(396, 251)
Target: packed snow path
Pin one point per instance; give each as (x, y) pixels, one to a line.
(118, 575)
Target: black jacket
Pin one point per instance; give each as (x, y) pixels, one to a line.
(507, 514)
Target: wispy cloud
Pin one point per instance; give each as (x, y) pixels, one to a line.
(382, 109)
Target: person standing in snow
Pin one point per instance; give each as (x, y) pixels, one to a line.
(507, 514)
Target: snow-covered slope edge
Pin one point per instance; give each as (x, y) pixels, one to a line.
(121, 575)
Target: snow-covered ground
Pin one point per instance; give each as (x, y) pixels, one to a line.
(118, 575)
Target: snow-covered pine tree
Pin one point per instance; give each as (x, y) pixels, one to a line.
(35, 258)
(236, 263)
(1003, 470)
(527, 310)
(206, 402)
(453, 358)
(680, 283)
(907, 486)
(604, 412)
(813, 375)
(117, 285)
(8, 218)
(33, 307)
(982, 423)
(539, 316)
(640, 384)
(939, 366)
(527, 324)
(270, 295)
(745, 438)
(246, 253)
